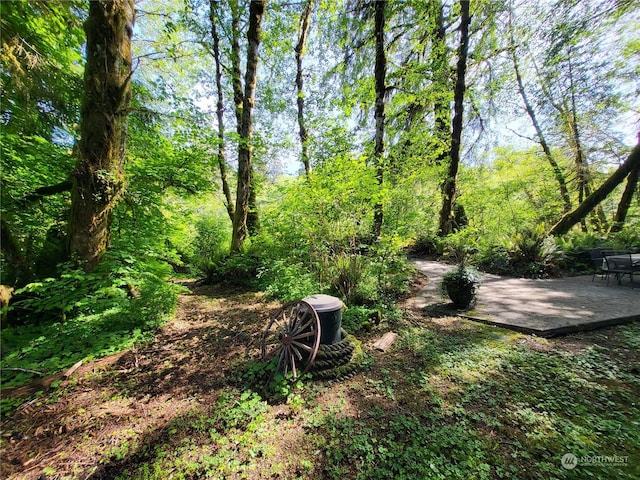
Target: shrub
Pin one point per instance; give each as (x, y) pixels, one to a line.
(350, 271)
(287, 280)
(533, 253)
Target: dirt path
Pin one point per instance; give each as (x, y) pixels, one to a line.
(105, 403)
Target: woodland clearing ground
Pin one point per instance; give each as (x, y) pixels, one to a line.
(451, 397)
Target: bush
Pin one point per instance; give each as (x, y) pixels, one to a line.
(359, 318)
(288, 281)
(427, 245)
(211, 244)
(532, 253)
(350, 271)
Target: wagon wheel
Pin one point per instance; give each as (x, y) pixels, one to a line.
(293, 337)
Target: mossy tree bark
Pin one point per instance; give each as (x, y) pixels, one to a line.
(245, 150)
(592, 201)
(303, 29)
(98, 178)
(380, 72)
(252, 221)
(449, 185)
(630, 190)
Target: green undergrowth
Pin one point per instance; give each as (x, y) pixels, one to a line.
(84, 316)
(473, 402)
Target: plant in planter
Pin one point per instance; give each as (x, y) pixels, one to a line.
(461, 285)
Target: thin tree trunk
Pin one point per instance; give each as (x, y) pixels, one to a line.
(380, 70)
(446, 223)
(222, 161)
(98, 178)
(581, 211)
(303, 28)
(584, 174)
(256, 11)
(626, 199)
(253, 217)
(557, 172)
(236, 71)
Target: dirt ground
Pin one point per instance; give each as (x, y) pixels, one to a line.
(215, 328)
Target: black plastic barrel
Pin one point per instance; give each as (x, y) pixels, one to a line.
(330, 313)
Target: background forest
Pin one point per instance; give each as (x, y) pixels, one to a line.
(299, 147)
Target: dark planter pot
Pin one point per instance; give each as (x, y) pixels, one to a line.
(329, 311)
(462, 297)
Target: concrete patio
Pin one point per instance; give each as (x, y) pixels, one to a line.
(544, 307)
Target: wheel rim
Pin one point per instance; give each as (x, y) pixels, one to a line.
(293, 337)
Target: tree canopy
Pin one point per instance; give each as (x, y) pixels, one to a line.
(403, 121)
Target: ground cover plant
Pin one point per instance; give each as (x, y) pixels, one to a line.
(451, 399)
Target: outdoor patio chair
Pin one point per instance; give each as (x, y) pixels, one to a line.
(620, 265)
(597, 260)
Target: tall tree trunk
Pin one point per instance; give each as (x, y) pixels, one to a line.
(303, 29)
(626, 199)
(236, 71)
(380, 71)
(557, 172)
(98, 178)
(447, 219)
(256, 11)
(252, 221)
(222, 161)
(581, 211)
(584, 174)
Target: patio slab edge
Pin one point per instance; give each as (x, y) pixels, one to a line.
(555, 331)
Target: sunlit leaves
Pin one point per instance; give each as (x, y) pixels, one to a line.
(41, 65)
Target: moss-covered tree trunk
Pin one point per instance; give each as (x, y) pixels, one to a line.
(252, 221)
(380, 73)
(17, 270)
(592, 201)
(630, 189)
(449, 185)
(98, 178)
(245, 150)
